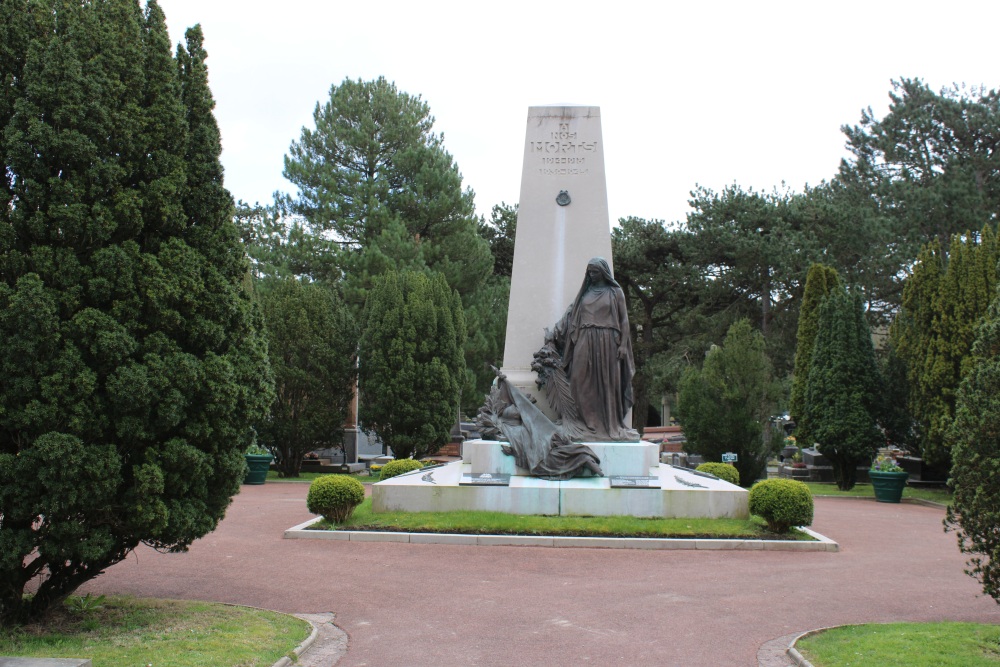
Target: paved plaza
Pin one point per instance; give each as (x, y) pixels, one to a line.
(442, 605)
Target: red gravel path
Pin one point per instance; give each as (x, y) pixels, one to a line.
(408, 604)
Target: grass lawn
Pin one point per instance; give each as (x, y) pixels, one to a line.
(272, 476)
(942, 496)
(905, 645)
(165, 633)
(497, 523)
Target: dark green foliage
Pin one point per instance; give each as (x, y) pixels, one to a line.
(782, 503)
(132, 360)
(398, 467)
(725, 406)
(499, 233)
(412, 365)
(929, 169)
(820, 281)
(724, 471)
(944, 300)
(374, 175)
(661, 288)
(974, 440)
(754, 252)
(377, 192)
(335, 497)
(843, 399)
(312, 342)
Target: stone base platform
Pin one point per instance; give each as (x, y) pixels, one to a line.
(682, 493)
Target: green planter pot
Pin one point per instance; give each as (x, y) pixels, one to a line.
(888, 485)
(257, 467)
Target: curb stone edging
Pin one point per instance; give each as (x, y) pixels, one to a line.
(793, 652)
(822, 542)
(285, 661)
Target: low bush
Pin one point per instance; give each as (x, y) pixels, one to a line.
(724, 471)
(335, 497)
(782, 503)
(399, 466)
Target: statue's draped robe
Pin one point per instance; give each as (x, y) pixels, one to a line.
(595, 329)
(537, 444)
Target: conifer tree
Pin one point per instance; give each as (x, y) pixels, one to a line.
(974, 440)
(133, 361)
(943, 301)
(374, 175)
(820, 281)
(725, 405)
(412, 368)
(312, 343)
(842, 403)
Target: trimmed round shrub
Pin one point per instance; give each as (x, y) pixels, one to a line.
(783, 503)
(399, 466)
(724, 471)
(335, 497)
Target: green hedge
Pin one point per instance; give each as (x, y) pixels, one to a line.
(335, 497)
(783, 503)
(399, 466)
(724, 471)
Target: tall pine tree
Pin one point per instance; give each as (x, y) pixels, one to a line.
(133, 361)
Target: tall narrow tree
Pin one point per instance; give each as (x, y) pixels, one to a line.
(411, 361)
(842, 403)
(133, 362)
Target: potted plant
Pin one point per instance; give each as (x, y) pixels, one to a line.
(888, 480)
(790, 449)
(258, 463)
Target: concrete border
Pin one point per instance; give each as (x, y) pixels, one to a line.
(822, 543)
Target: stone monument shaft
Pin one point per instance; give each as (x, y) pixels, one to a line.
(562, 222)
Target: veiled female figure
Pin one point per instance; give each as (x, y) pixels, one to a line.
(597, 357)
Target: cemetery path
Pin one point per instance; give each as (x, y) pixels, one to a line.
(444, 605)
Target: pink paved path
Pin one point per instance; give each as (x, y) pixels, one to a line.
(404, 604)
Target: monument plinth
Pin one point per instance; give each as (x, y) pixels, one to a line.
(562, 222)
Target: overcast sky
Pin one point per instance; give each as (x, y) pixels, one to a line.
(711, 93)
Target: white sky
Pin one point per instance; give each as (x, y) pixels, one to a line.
(706, 93)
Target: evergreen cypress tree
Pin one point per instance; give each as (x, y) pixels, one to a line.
(935, 330)
(312, 342)
(820, 281)
(974, 440)
(133, 362)
(412, 365)
(843, 397)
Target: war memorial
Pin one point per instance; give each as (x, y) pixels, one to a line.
(557, 423)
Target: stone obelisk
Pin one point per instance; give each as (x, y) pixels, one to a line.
(562, 222)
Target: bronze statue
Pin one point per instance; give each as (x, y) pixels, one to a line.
(586, 368)
(586, 363)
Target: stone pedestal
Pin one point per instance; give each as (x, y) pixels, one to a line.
(676, 492)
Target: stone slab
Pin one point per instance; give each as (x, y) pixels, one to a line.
(682, 494)
(44, 662)
(442, 493)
